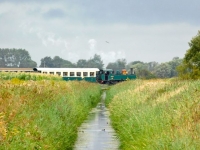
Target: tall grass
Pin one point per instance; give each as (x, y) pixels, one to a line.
(156, 114)
(43, 114)
(28, 76)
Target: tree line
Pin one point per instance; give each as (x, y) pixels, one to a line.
(15, 58)
(57, 62)
(188, 67)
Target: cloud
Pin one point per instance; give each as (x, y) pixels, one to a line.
(136, 30)
(92, 43)
(111, 56)
(107, 56)
(54, 13)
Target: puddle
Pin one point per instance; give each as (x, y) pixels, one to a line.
(96, 132)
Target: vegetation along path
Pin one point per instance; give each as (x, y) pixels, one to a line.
(43, 114)
(156, 114)
(96, 132)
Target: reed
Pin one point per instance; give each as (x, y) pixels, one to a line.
(43, 114)
(156, 114)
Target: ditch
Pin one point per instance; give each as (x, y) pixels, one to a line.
(96, 132)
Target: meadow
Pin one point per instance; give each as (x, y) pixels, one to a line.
(156, 114)
(28, 76)
(43, 114)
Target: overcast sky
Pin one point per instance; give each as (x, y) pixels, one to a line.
(142, 30)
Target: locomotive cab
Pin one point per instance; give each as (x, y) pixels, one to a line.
(103, 75)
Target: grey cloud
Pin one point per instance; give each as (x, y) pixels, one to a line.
(26, 1)
(143, 11)
(138, 30)
(131, 11)
(54, 13)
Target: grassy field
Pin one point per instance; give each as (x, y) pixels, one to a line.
(43, 114)
(28, 76)
(156, 114)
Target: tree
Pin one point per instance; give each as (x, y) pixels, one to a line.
(47, 62)
(163, 70)
(62, 63)
(15, 58)
(152, 65)
(190, 67)
(135, 62)
(56, 62)
(119, 64)
(141, 70)
(27, 64)
(176, 61)
(112, 65)
(81, 63)
(95, 62)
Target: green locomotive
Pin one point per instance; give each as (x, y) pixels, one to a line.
(108, 76)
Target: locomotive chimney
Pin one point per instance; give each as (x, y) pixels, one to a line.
(132, 72)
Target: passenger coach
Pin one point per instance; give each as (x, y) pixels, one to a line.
(88, 74)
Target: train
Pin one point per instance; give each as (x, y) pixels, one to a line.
(102, 76)
(68, 74)
(109, 76)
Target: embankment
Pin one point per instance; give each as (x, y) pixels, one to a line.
(43, 114)
(156, 114)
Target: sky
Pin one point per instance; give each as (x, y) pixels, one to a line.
(141, 30)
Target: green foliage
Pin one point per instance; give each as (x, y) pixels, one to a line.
(154, 69)
(144, 74)
(15, 58)
(163, 71)
(81, 63)
(142, 70)
(56, 62)
(156, 114)
(27, 76)
(95, 62)
(118, 65)
(44, 114)
(174, 63)
(168, 69)
(190, 68)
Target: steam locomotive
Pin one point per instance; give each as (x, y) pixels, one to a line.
(108, 76)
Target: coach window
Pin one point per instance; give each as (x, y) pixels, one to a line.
(51, 72)
(78, 74)
(65, 73)
(85, 74)
(58, 73)
(71, 74)
(91, 74)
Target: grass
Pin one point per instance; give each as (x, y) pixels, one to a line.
(28, 76)
(156, 114)
(43, 114)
